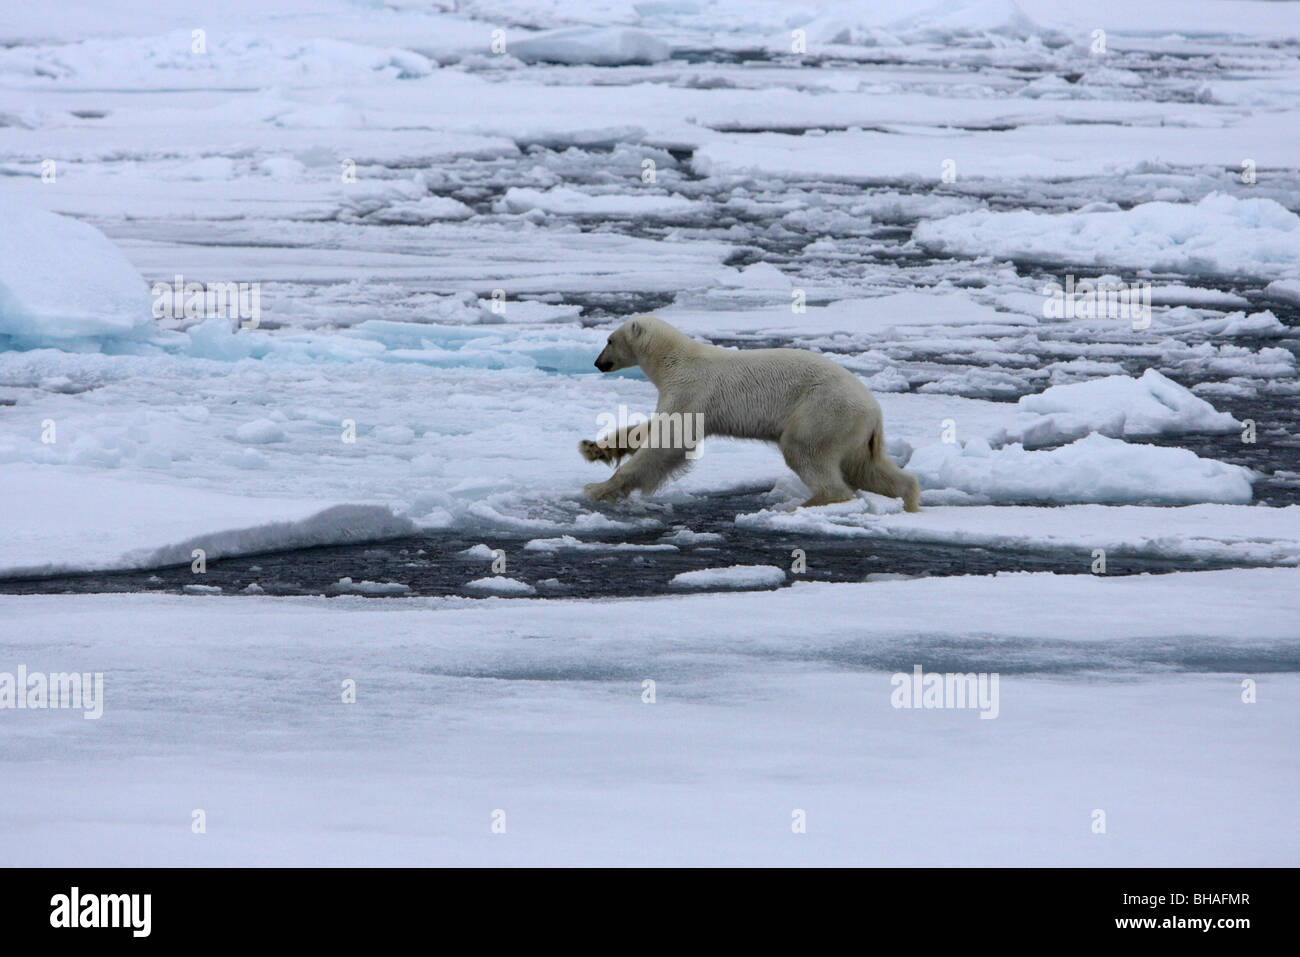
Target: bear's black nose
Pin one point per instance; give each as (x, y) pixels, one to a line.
(601, 367)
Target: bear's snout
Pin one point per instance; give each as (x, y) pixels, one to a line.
(602, 365)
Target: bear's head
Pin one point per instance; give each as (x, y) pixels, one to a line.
(621, 351)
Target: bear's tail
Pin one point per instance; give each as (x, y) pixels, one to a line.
(871, 469)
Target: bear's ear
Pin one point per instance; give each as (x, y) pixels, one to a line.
(634, 327)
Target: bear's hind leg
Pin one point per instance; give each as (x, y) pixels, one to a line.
(823, 478)
(887, 479)
(892, 482)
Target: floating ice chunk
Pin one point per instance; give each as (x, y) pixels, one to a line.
(165, 62)
(1259, 324)
(63, 282)
(1124, 406)
(869, 317)
(340, 525)
(980, 383)
(1094, 469)
(888, 380)
(734, 576)
(394, 435)
(870, 24)
(284, 168)
(60, 383)
(346, 586)
(1239, 534)
(478, 551)
(1233, 360)
(527, 310)
(499, 585)
(194, 413)
(1220, 235)
(569, 543)
(420, 212)
(1109, 76)
(246, 459)
(686, 536)
(930, 309)
(214, 339)
(201, 589)
(964, 18)
(1235, 388)
(399, 203)
(1179, 294)
(597, 46)
(564, 201)
(759, 276)
(1287, 290)
(259, 432)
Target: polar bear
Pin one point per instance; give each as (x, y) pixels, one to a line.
(828, 426)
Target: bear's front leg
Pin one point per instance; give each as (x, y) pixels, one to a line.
(613, 447)
(645, 471)
(600, 451)
(608, 491)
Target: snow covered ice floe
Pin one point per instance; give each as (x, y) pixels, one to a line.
(731, 577)
(1123, 406)
(1095, 468)
(64, 520)
(1222, 235)
(63, 283)
(598, 46)
(565, 543)
(1226, 533)
(500, 585)
(778, 174)
(537, 191)
(571, 202)
(346, 586)
(547, 696)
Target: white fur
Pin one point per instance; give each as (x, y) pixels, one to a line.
(826, 423)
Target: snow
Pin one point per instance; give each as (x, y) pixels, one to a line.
(60, 519)
(686, 536)
(536, 708)
(1286, 290)
(346, 586)
(339, 525)
(259, 432)
(571, 202)
(1122, 405)
(567, 543)
(1232, 533)
(1095, 468)
(598, 46)
(500, 585)
(1221, 235)
(39, 251)
(443, 238)
(733, 576)
(874, 316)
